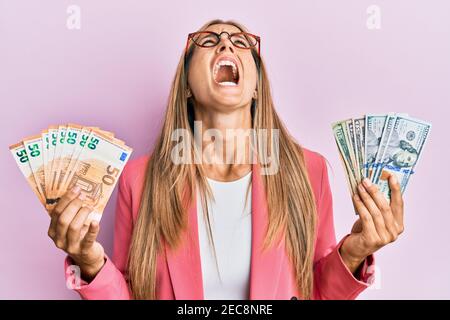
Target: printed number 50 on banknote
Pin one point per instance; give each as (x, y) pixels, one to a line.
(98, 169)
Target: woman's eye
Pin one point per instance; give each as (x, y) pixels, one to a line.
(207, 42)
(241, 43)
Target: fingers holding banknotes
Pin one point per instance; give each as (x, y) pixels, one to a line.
(387, 218)
(56, 160)
(70, 233)
(381, 151)
(380, 222)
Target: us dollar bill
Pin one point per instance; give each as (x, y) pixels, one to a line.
(402, 152)
(342, 143)
(350, 135)
(374, 126)
(359, 129)
(386, 135)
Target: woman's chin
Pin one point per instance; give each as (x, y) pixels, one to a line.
(228, 96)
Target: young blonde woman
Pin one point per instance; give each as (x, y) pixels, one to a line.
(260, 235)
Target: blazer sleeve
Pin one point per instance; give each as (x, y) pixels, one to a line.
(332, 278)
(110, 282)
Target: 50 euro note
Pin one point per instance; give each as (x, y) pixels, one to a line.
(97, 169)
(401, 152)
(70, 145)
(56, 162)
(75, 141)
(22, 159)
(33, 148)
(50, 155)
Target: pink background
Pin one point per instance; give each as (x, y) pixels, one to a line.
(324, 65)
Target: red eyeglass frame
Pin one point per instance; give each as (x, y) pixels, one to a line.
(191, 35)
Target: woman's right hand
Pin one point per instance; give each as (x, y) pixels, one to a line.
(69, 233)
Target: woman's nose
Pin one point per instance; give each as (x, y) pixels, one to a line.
(224, 45)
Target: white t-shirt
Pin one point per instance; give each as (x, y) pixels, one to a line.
(230, 219)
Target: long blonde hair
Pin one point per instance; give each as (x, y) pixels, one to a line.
(169, 187)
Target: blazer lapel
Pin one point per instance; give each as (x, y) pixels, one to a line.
(185, 265)
(184, 262)
(265, 264)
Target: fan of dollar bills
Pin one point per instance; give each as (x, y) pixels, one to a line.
(375, 146)
(65, 156)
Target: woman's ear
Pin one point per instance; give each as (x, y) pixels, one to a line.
(255, 94)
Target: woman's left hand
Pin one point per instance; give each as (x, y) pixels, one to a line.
(379, 222)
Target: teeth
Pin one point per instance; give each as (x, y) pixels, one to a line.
(225, 63)
(227, 83)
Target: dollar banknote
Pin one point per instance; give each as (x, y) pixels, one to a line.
(359, 127)
(342, 142)
(350, 137)
(385, 136)
(376, 146)
(64, 156)
(401, 151)
(374, 127)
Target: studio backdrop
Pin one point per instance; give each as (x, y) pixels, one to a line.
(110, 64)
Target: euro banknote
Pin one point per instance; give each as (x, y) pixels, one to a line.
(64, 156)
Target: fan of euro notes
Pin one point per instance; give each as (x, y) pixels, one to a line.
(376, 146)
(62, 157)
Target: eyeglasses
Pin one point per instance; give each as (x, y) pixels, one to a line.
(209, 39)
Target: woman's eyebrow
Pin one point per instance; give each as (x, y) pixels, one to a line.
(204, 35)
(240, 35)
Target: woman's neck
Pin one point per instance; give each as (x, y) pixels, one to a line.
(225, 142)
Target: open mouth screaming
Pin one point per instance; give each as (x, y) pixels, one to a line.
(226, 73)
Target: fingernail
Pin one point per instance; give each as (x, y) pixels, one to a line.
(367, 182)
(76, 189)
(361, 188)
(82, 196)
